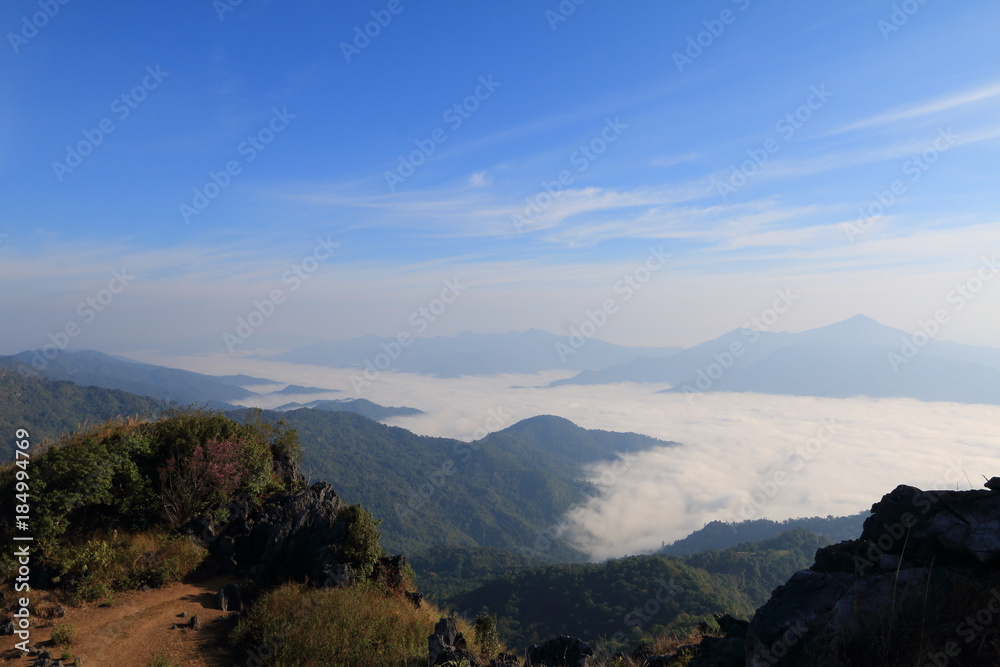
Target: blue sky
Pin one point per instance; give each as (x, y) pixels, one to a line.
(758, 144)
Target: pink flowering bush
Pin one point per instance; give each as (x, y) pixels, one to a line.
(207, 478)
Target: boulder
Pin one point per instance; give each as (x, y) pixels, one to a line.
(229, 598)
(448, 646)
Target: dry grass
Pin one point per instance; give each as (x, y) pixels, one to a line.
(355, 626)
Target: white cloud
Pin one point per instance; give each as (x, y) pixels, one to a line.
(734, 446)
(947, 103)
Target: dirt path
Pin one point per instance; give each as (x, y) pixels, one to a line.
(137, 628)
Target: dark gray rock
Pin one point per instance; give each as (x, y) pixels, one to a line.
(294, 537)
(340, 576)
(916, 551)
(389, 571)
(562, 651)
(229, 598)
(719, 652)
(447, 645)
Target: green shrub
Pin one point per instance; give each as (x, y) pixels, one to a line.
(64, 634)
(360, 547)
(120, 475)
(96, 569)
(487, 637)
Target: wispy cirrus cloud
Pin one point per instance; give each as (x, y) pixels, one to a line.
(937, 105)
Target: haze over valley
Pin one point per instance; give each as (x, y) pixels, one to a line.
(617, 334)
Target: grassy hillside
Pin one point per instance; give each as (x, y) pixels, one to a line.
(620, 601)
(430, 491)
(720, 535)
(447, 571)
(623, 601)
(50, 408)
(506, 490)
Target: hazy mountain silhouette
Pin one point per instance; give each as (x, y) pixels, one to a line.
(529, 351)
(855, 357)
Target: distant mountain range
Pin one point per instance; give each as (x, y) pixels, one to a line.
(298, 389)
(855, 357)
(529, 351)
(88, 368)
(359, 406)
(717, 535)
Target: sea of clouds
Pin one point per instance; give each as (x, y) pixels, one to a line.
(741, 455)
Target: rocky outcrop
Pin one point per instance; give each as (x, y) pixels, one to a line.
(923, 580)
(389, 572)
(562, 651)
(447, 646)
(293, 537)
(921, 585)
(725, 651)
